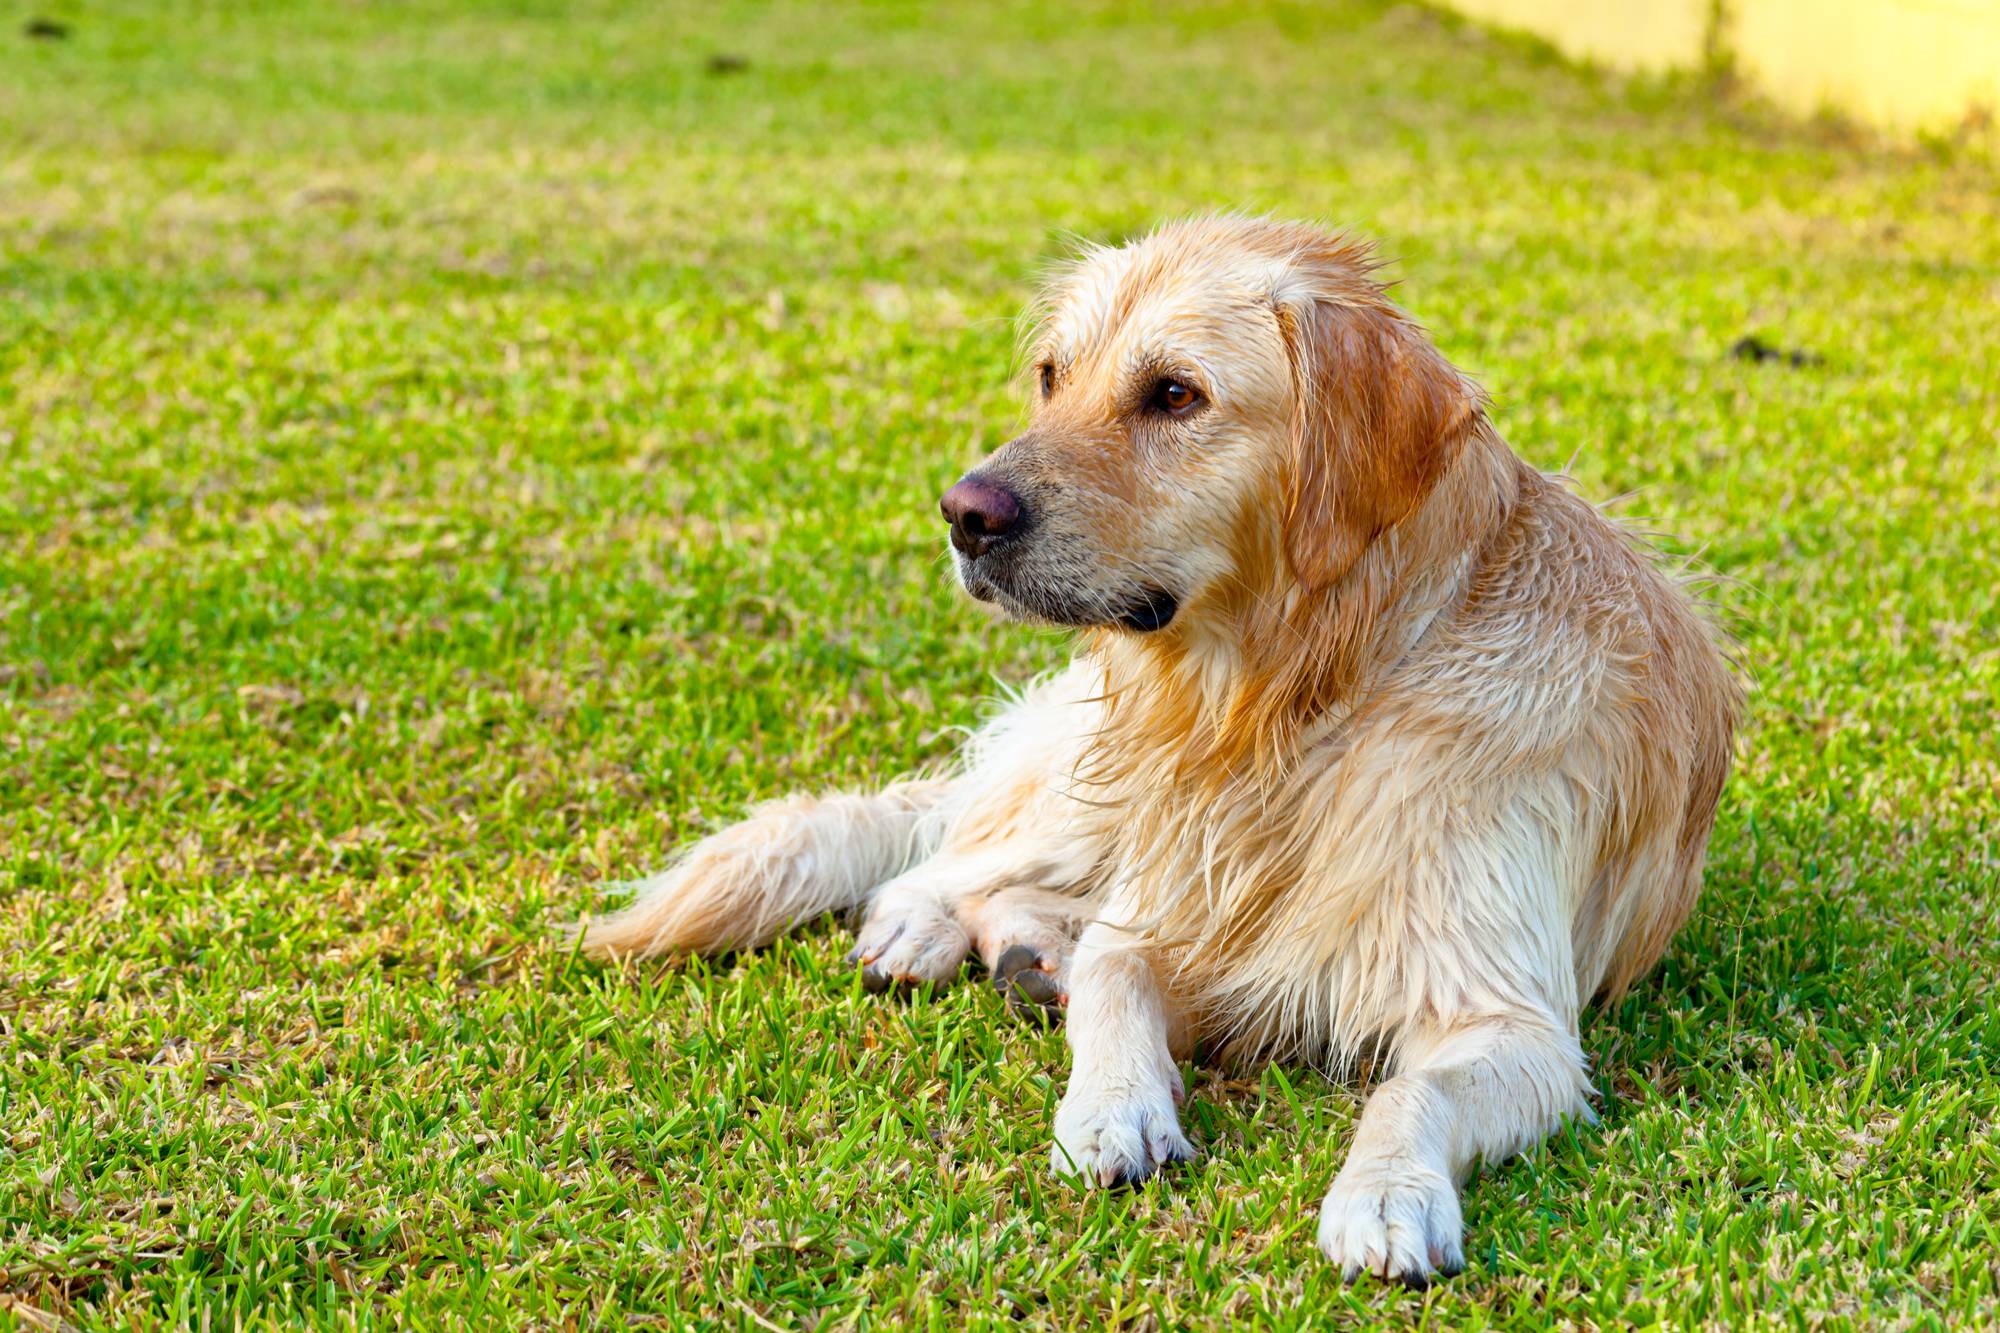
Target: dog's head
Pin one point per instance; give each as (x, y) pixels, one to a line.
(1227, 410)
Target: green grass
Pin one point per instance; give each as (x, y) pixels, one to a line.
(453, 454)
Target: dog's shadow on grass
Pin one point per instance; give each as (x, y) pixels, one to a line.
(1813, 956)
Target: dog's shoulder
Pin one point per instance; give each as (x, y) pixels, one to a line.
(1561, 619)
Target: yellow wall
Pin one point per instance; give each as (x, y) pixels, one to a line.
(1906, 63)
(1899, 64)
(1652, 35)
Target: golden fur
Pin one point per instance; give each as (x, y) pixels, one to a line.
(1424, 756)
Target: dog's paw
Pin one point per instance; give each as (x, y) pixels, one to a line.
(1396, 1219)
(908, 939)
(1118, 1137)
(1025, 938)
(1028, 980)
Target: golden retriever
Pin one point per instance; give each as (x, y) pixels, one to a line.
(1378, 744)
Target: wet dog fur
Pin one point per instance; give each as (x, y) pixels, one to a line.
(1377, 745)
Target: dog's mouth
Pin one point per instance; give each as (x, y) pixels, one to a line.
(1151, 610)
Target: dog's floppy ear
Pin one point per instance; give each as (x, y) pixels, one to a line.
(1379, 415)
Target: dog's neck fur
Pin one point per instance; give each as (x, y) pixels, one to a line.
(1210, 743)
(1240, 697)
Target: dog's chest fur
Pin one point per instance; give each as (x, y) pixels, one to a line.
(1461, 838)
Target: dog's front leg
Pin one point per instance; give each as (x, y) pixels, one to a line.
(1119, 1122)
(1482, 1087)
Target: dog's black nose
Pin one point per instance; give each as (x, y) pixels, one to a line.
(982, 514)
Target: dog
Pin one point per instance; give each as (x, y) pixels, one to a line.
(1378, 746)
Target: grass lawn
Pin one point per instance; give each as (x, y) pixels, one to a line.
(451, 454)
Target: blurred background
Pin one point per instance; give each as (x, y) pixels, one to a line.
(1904, 66)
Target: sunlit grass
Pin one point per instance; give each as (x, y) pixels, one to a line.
(454, 454)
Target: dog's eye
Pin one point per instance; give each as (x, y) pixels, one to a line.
(1175, 398)
(1048, 373)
